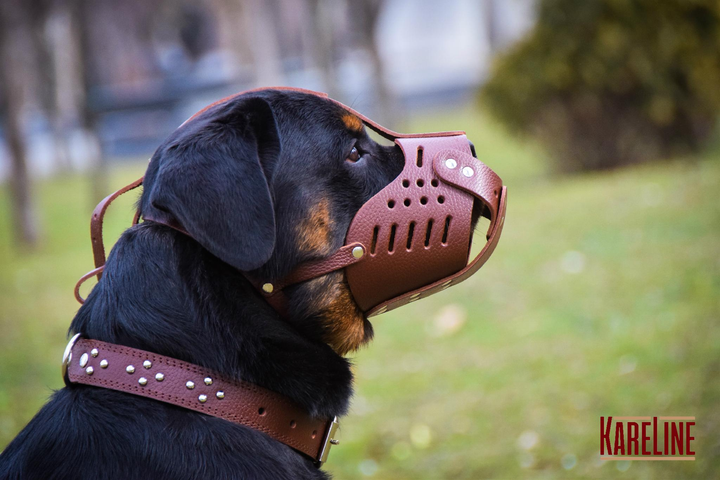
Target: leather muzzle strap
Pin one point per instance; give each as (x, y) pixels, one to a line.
(116, 367)
(273, 292)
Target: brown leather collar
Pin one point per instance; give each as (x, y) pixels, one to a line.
(129, 370)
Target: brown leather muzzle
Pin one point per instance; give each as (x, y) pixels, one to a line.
(410, 240)
(418, 230)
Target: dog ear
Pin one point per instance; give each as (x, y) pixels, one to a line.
(210, 178)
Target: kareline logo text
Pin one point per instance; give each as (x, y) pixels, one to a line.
(647, 438)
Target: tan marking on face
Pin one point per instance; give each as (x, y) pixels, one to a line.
(352, 122)
(314, 231)
(346, 328)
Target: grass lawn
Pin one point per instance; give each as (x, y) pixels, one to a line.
(603, 298)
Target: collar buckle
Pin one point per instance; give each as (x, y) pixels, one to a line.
(329, 441)
(67, 357)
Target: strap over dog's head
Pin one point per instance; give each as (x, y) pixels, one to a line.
(410, 240)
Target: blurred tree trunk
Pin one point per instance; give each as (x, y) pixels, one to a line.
(81, 20)
(321, 17)
(13, 30)
(365, 15)
(261, 27)
(491, 25)
(39, 15)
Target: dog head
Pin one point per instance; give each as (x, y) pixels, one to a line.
(268, 180)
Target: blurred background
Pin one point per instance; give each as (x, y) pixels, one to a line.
(603, 297)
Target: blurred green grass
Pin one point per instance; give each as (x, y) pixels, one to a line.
(603, 298)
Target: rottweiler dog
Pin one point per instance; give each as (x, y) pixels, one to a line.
(262, 183)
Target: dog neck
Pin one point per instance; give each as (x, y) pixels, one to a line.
(162, 292)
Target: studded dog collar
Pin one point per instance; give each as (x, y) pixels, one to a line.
(129, 370)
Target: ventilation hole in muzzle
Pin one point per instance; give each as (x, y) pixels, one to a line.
(391, 203)
(407, 202)
(406, 183)
(391, 245)
(261, 411)
(428, 232)
(411, 230)
(423, 200)
(441, 199)
(434, 182)
(419, 156)
(374, 240)
(420, 182)
(446, 230)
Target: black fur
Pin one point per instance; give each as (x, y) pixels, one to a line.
(239, 178)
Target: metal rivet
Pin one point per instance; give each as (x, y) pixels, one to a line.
(468, 172)
(220, 394)
(130, 369)
(451, 163)
(358, 252)
(202, 398)
(89, 370)
(190, 384)
(414, 297)
(268, 287)
(84, 360)
(142, 381)
(208, 381)
(103, 363)
(334, 442)
(147, 364)
(94, 352)
(159, 377)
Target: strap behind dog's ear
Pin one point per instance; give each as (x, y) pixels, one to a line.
(209, 179)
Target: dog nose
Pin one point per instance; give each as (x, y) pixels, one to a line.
(472, 149)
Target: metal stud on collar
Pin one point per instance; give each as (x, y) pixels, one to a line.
(189, 384)
(130, 369)
(358, 252)
(268, 287)
(147, 364)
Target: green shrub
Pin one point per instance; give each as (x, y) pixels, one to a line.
(604, 83)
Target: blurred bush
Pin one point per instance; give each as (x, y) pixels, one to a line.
(604, 83)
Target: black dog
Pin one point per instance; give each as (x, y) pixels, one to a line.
(261, 183)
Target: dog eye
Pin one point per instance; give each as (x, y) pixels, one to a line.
(354, 155)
